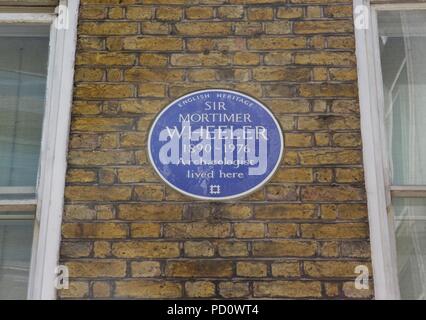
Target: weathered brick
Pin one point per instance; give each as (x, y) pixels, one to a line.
(152, 44)
(249, 230)
(96, 268)
(230, 12)
(287, 289)
(198, 249)
(145, 230)
(94, 230)
(199, 13)
(107, 28)
(163, 212)
(234, 289)
(103, 90)
(282, 230)
(334, 269)
(285, 269)
(145, 249)
(321, 26)
(251, 269)
(94, 193)
(284, 248)
(197, 230)
(145, 269)
(199, 268)
(147, 289)
(204, 28)
(335, 231)
(233, 249)
(200, 289)
(285, 211)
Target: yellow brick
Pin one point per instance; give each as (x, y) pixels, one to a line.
(150, 192)
(230, 12)
(143, 74)
(96, 158)
(145, 249)
(81, 175)
(260, 14)
(204, 28)
(76, 289)
(249, 230)
(147, 289)
(82, 193)
(334, 269)
(293, 175)
(234, 289)
(155, 90)
(199, 13)
(350, 291)
(107, 28)
(325, 58)
(199, 268)
(334, 193)
(281, 193)
(281, 74)
(94, 230)
(330, 156)
(246, 58)
(145, 230)
(115, 13)
(102, 124)
(285, 211)
(200, 289)
(276, 43)
(103, 91)
(299, 140)
(155, 28)
(168, 14)
(150, 212)
(75, 249)
(349, 175)
(285, 269)
(101, 249)
(284, 248)
(282, 230)
(289, 12)
(278, 27)
(197, 230)
(87, 12)
(335, 231)
(89, 74)
(251, 269)
(287, 289)
(96, 268)
(233, 249)
(139, 13)
(198, 249)
(152, 44)
(352, 211)
(145, 268)
(332, 26)
(153, 60)
(101, 289)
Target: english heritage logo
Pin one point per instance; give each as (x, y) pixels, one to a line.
(215, 144)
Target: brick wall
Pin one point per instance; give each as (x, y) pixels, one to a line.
(127, 235)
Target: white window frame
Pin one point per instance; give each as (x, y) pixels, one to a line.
(376, 160)
(54, 146)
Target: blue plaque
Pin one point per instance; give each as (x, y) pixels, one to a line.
(215, 144)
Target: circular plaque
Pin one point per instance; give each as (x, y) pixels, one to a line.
(215, 144)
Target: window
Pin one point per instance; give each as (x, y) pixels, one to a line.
(23, 73)
(36, 73)
(392, 56)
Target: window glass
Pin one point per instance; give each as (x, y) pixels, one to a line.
(402, 38)
(23, 72)
(15, 252)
